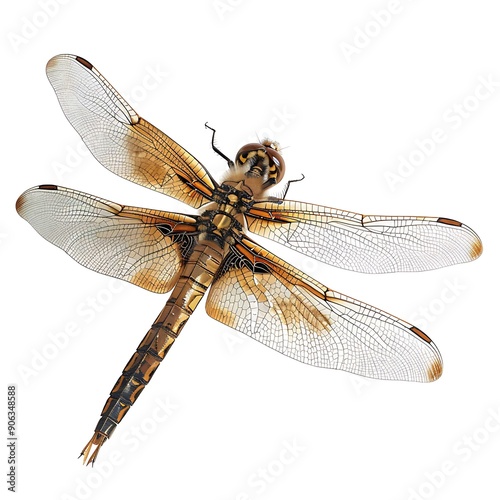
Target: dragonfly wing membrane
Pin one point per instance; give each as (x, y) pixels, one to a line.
(141, 246)
(120, 139)
(266, 298)
(365, 243)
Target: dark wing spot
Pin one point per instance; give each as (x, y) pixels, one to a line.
(84, 62)
(449, 222)
(421, 334)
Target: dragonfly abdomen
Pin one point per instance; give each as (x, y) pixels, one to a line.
(197, 275)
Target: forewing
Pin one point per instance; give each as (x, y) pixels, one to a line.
(365, 243)
(262, 296)
(143, 247)
(121, 140)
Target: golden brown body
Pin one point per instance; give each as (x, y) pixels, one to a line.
(194, 281)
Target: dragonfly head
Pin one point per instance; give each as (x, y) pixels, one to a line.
(262, 160)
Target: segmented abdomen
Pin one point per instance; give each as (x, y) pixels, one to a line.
(197, 275)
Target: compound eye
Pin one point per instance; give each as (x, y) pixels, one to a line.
(277, 169)
(247, 151)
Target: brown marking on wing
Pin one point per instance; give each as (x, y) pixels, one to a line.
(435, 370)
(476, 249)
(259, 213)
(22, 199)
(271, 216)
(449, 222)
(249, 254)
(420, 333)
(258, 254)
(84, 62)
(192, 180)
(149, 169)
(148, 278)
(184, 228)
(150, 164)
(221, 313)
(201, 187)
(363, 243)
(127, 243)
(180, 222)
(294, 314)
(20, 203)
(120, 139)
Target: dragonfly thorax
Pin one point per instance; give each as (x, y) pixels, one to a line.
(234, 194)
(222, 220)
(221, 224)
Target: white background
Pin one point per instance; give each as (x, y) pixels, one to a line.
(346, 116)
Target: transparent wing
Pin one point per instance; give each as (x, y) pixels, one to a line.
(365, 243)
(143, 247)
(262, 296)
(121, 140)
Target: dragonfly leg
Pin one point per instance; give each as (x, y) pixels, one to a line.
(217, 150)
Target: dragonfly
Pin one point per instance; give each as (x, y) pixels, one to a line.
(249, 288)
